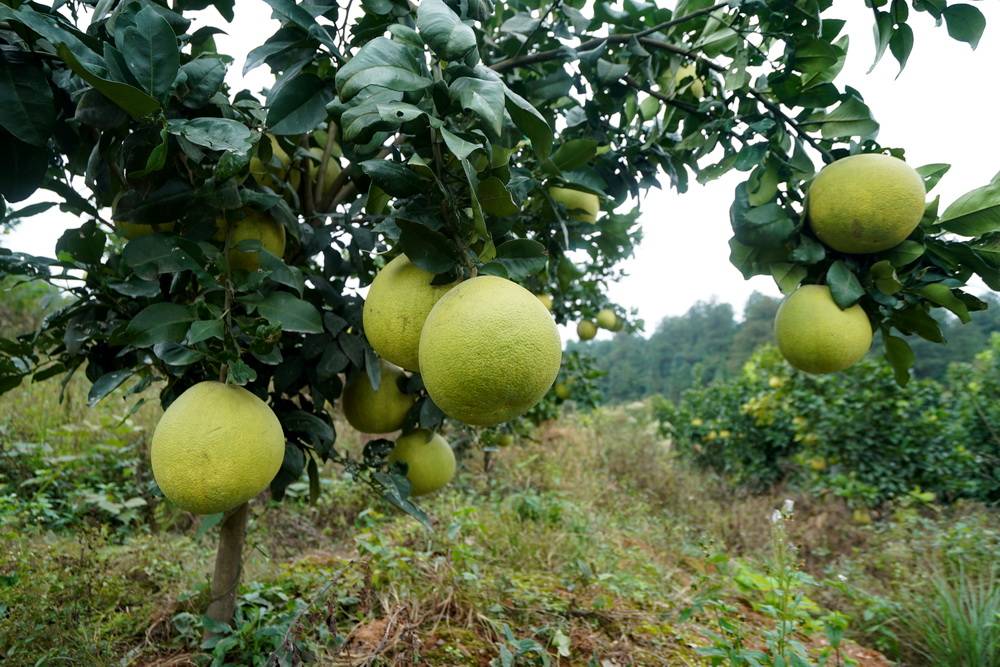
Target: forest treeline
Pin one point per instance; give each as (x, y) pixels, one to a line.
(709, 342)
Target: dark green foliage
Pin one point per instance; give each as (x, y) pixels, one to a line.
(854, 433)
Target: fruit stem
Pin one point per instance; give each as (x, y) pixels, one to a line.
(228, 566)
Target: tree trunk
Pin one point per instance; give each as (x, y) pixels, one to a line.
(228, 566)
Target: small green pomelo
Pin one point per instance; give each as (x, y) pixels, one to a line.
(216, 447)
(489, 351)
(606, 319)
(582, 206)
(586, 329)
(273, 173)
(381, 411)
(430, 462)
(546, 300)
(816, 336)
(505, 440)
(398, 302)
(865, 203)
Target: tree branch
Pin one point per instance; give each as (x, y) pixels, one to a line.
(593, 43)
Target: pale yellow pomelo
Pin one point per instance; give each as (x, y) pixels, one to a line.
(489, 351)
(398, 302)
(273, 173)
(562, 391)
(430, 463)
(134, 230)
(253, 226)
(546, 300)
(690, 71)
(586, 329)
(505, 440)
(380, 411)
(215, 447)
(582, 206)
(816, 336)
(329, 175)
(865, 203)
(606, 319)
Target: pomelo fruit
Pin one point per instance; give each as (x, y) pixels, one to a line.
(273, 173)
(816, 336)
(582, 206)
(586, 329)
(398, 302)
(430, 462)
(489, 351)
(255, 226)
(381, 411)
(216, 447)
(546, 300)
(606, 319)
(865, 203)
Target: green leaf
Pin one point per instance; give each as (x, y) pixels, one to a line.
(202, 330)
(289, 312)
(975, 213)
(46, 26)
(22, 169)
(383, 63)
(150, 51)
(915, 319)
(787, 276)
(134, 101)
(529, 121)
(174, 354)
(844, 285)
(965, 23)
(297, 15)
(106, 384)
(905, 253)
(852, 118)
(203, 78)
(764, 226)
(217, 134)
(458, 146)
(522, 258)
(574, 154)
(27, 109)
(944, 297)
(445, 33)
(83, 244)
(495, 198)
(884, 277)
(900, 356)
(298, 106)
(901, 45)
(396, 179)
(483, 98)
(932, 174)
(883, 33)
(428, 249)
(159, 323)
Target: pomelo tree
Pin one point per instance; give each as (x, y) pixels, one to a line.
(509, 139)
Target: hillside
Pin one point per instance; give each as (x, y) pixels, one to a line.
(709, 342)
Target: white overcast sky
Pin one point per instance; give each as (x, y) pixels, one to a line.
(943, 108)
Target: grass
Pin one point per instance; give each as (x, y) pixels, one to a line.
(586, 543)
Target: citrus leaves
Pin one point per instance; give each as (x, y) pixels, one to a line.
(149, 48)
(384, 63)
(26, 106)
(975, 213)
(965, 23)
(299, 105)
(445, 33)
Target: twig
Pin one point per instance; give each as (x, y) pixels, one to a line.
(541, 22)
